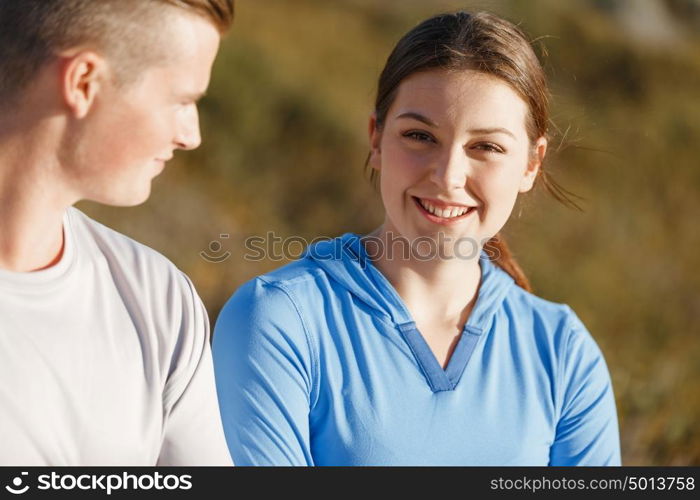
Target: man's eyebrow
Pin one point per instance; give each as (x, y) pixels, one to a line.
(492, 130)
(417, 116)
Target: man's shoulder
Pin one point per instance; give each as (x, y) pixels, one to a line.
(126, 257)
(158, 296)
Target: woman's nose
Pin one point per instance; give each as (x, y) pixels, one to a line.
(451, 169)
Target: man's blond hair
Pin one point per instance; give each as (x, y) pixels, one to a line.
(32, 32)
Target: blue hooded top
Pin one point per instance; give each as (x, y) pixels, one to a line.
(320, 363)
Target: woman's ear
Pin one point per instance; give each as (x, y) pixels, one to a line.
(375, 139)
(82, 74)
(533, 165)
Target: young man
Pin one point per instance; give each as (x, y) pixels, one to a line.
(104, 354)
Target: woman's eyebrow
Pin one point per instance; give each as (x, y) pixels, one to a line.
(492, 130)
(417, 116)
(488, 130)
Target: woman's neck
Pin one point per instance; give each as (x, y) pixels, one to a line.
(433, 288)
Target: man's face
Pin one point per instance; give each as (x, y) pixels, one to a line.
(132, 131)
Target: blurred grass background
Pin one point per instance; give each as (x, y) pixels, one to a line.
(284, 128)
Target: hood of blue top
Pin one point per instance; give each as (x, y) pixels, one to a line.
(345, 260)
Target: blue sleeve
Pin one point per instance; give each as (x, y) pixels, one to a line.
(587, 430)
(263, 364)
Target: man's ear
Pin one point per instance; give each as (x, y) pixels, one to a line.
(83, 73)
(375, 140)
(533, 165)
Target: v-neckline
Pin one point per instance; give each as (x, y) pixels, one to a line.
(439, 379)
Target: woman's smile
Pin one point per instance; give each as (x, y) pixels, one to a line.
(443, 213)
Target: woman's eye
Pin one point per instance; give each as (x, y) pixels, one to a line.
(489, 147)
(419, 136)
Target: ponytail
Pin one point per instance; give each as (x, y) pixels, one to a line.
(497, 250)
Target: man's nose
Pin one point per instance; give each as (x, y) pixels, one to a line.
(188, 135)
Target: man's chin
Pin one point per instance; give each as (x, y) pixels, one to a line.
(130, 199)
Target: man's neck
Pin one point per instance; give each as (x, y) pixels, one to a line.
(32, 203)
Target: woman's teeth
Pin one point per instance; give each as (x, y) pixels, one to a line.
(445, 213)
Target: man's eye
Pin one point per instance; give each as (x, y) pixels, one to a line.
(419, 136)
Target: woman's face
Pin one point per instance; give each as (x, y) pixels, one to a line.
(453, 155)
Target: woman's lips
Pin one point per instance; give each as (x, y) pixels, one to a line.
(426, 207)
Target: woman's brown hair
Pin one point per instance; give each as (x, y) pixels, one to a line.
(486, 43)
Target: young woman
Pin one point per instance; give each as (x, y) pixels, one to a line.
(420, 344)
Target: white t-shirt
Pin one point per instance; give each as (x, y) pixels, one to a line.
(105, 359)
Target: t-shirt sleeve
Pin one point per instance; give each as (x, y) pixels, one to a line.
(263, 362)
(192, 432)
(587, 430)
